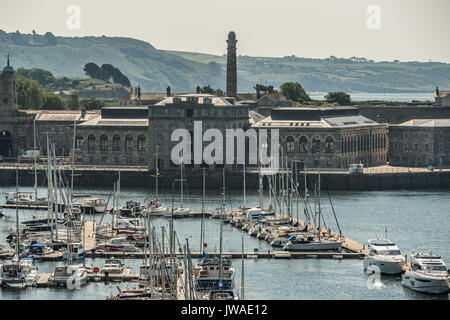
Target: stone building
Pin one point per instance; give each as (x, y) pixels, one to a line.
(115, 136)
(180, 112)
(328, 136)
(420, 143)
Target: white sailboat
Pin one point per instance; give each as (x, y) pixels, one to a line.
(181, 211)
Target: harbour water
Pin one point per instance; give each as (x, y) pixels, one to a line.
(414, 219)
(384, 96)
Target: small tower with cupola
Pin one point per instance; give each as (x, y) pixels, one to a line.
(8, 95)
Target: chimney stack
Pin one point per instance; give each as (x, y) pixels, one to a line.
(231, 65)
(168, 91)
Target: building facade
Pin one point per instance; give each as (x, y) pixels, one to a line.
(332, 137)
(420, 143)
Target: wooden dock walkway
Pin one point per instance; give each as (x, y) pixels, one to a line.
(88, 235)
(238, 255)
(23, 206)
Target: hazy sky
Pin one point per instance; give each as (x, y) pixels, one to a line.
(408, 29)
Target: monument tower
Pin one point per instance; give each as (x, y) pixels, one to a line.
(231, 65)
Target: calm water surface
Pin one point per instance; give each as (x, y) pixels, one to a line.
(413, 219)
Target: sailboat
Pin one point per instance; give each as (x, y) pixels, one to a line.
(181, 211)
(70, 275)
(217, 272)
(308, 242)
(19, 273)
(155, 209)
(28, 198)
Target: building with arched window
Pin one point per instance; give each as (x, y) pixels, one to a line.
(328, 136)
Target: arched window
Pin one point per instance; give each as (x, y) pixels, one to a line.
(129, 143)
(78, 141)
(315, 145)
(141, 143)
(91, 142)
(116, 143)
(104, 143)
(329, 144)
(302, 142)
(290, 145)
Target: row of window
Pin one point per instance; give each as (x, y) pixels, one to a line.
(117, 144)
(302, 145)
(349, 144)
(363, 143)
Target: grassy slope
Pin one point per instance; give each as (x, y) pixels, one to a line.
(154, 69)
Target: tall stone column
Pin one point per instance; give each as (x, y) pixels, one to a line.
(231, 65)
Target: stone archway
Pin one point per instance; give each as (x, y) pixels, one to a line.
(5, 144)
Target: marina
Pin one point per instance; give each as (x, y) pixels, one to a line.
(255, 249)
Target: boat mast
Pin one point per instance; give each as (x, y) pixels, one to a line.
(157, 171)
(49, 188)
(35, 164)
(221, 223)
(202, 227)
(17, 215)
(181, 180)
(242, 271)
(318, 202)
(245, 194)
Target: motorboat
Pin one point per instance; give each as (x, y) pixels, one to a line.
(119, 244)
(221, 294)
(385, 256)
(154, 209)
(132, 209)
(92, 205)
(20, 273)
(428, 274)
(37, 250)
(309, 243)
(77, 251)
(208, 275)
(26, 198)
(178, 213)
(69, 276)
(256, 212)
(112, 266)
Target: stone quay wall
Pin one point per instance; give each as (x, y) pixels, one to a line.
(234, 179)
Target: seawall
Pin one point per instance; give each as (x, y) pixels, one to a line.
(234, 179)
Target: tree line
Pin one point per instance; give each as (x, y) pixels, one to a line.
(31, 95)
(106, 72)
(291, 90)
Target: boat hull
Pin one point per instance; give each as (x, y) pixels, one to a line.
(425, 284)
(385, 267)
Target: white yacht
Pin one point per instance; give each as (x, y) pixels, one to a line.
(112, 266)
(177, 213)
(309, 243)
(20, 274)
(428, 274)
(70, 276)
(385, 255)
(24, 198)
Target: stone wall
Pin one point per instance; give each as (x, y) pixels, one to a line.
(329, 181)
(400, 114)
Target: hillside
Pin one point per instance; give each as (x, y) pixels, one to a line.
(154, 69)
